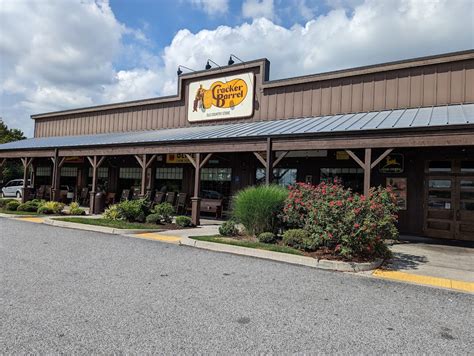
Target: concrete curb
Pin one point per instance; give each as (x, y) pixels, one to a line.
(95, 228)
(283, 257)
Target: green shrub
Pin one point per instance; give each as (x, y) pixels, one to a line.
(266, 237)
(183, 221)
(31, 205)
(133, 210)
(165, 211)
(112, 213)
(75, 209)
(12, 205)
(153, 218)
(4, 202)
(353, 225)
(299, 238)
(259, 208)
(228, 229)
(51, 207)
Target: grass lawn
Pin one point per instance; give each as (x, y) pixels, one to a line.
(249, 244)
(116, 224)
(15, 212)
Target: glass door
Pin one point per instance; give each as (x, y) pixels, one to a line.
(439, 208)
(465, 208)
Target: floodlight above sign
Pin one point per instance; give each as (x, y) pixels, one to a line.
(228, 97)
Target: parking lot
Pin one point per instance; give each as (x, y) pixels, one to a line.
(71, 291)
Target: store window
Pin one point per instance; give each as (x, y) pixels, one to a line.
(102, 172)
(102, 178)
(169, 179)
(467, 167)
(68, 171)
(43, 171)
(349, 177)
(130, 173)
(281, 176)
(439, 166)
(215, 182)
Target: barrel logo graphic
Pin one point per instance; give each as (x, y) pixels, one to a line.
(221, 98)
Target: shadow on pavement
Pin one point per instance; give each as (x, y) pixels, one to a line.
(405, 261)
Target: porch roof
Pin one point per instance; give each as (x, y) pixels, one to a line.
(418, 118)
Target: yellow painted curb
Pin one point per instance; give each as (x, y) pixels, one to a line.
(425, 280)
(158, 237)
(34, 220)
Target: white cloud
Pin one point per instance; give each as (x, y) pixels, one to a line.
(212, 7)
(372, 32)
(60, 60)
(258, 8)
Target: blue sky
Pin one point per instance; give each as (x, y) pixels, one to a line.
(61, 54)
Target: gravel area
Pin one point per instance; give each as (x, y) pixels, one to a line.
(69, 291)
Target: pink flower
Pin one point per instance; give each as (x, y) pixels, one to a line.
(356, 225)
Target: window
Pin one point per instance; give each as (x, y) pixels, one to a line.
(169, 179)
(130, 173)
(350, 177)
(215, 182)
(43, 171)
(102, 172)
(68, 171)
(439, 166)
(467, 166)
(216, 174)
(174, 173)
(281, 176)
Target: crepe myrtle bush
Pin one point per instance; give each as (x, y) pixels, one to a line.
(354, 225)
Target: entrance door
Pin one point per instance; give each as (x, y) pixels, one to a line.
(464, 225)
(440, 207)
(449, 200)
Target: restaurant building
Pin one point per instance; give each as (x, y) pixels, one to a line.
(408, 124)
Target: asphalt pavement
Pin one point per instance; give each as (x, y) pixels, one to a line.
(70, 291)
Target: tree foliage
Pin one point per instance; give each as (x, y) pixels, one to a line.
(11, 169)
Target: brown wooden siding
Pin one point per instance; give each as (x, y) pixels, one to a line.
(438, 84)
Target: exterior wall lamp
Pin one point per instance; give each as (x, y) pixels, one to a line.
(179, 71)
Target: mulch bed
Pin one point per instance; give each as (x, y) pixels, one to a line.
(173, 226)
(324, 253)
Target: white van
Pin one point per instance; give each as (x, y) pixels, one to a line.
(13, 188)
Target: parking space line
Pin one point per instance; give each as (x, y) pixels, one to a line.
(425, 280)
(32, 219)
(158, 237)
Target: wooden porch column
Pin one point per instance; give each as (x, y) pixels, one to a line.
(144, 163)
(55, 184)
(368, 165)
(95, 163)
(26, 165)
(196, 199)
(270, 162)
(2, 162)
(269, 167)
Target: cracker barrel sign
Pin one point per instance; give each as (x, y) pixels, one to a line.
(221, 98)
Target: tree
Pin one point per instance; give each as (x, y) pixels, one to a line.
(11, 169)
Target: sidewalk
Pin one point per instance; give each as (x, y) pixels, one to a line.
(435, 260)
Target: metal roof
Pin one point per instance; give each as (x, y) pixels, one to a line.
(425, 117)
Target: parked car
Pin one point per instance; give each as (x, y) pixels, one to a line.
(13, 188)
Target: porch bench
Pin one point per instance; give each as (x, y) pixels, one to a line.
(211, 206)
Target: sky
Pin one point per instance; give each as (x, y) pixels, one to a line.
(62, 54)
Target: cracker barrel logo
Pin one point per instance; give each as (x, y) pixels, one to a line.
(221, 95)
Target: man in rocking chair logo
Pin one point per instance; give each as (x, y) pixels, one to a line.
(228, 97)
